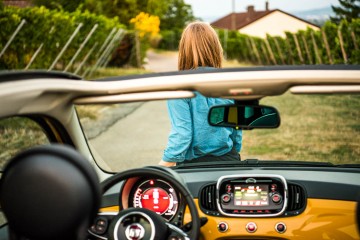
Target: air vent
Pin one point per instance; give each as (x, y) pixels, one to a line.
(208, 197)
(297, 198)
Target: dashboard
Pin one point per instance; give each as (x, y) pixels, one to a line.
(252, 203)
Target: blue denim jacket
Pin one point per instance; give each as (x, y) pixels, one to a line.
(191, 135)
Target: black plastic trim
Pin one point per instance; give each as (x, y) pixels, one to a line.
(333, 191)
(295, 211)
(110, 200)
(319, 190)
(6, 76)
(65, 138)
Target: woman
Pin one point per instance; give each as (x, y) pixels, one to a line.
(191, 138)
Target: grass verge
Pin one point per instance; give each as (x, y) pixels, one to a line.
(313, 128)
(113, 72)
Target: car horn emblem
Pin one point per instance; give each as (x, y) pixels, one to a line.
(134, 232)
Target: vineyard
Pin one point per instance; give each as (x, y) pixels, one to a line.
(79, 42)
(39, 38)
(333, 44)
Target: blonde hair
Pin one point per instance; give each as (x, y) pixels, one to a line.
(199, 47)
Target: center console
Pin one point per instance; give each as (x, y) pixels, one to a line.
(251, 195)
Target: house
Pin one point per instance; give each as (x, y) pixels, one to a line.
(259, 23)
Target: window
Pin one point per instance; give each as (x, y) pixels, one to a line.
(17, 134)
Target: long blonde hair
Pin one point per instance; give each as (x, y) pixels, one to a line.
(199, 47)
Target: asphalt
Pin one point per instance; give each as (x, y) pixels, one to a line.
(133, 135)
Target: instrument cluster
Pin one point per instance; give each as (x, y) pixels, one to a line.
(156, 195)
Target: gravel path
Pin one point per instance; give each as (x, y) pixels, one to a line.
(135, 134)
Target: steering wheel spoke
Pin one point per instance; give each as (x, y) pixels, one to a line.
(177, 233)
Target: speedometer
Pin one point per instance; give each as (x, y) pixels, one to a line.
(157, 196)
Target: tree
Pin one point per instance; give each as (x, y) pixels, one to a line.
(66, 5)
(348, 9)
(173, 14)
(178, 14)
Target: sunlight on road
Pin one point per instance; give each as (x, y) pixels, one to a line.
(137, 140)
(161, 62)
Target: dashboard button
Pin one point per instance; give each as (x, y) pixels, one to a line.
(251, 227)
(276, 198)
(225, 198)
(228, 188)
(280, 227)
(223, 227)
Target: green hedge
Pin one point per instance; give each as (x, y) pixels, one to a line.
(170, 39)
(52, 29)
(303, 47)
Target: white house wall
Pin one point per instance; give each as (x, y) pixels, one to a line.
(275, 24)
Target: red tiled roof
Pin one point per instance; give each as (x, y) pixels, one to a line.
(245, 18)
(17, 3)
(241, 19)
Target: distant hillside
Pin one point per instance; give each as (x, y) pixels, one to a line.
(317, 16)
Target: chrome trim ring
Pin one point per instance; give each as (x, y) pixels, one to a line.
(281, 178)
(282, 230)
(152, 236)
(247, 227)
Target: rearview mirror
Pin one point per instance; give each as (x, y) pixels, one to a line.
(244, 116)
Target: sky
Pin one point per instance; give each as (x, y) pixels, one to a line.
(214, 9)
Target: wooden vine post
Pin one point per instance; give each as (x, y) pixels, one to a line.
(298, 48)
(279, 51)
(291, 59)
(309, 56)
(253, 45)
(354, 40)
(342, 44)
(263, 49)
(316, 48)
(272, 57)
(247, 46)
(327, 46)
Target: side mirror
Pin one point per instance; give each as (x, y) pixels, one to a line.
(244, 116)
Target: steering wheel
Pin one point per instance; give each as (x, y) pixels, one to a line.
(137, 223)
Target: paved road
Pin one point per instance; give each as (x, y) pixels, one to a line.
(138, 139)
(164, 62)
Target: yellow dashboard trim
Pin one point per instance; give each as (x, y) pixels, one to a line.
(322, 219)
(110, 209)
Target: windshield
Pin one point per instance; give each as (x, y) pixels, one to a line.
(120, 38)
(314, 128)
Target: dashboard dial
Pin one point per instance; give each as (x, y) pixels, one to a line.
(157, 196)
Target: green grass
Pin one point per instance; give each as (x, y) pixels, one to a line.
(18, 133)
(313, 128)
(113, 72)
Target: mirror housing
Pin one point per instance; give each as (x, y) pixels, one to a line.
(243, 116)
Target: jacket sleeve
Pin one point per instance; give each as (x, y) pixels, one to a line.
(237, 139)
(180, 137)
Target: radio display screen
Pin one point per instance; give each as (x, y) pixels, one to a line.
(251, 195)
